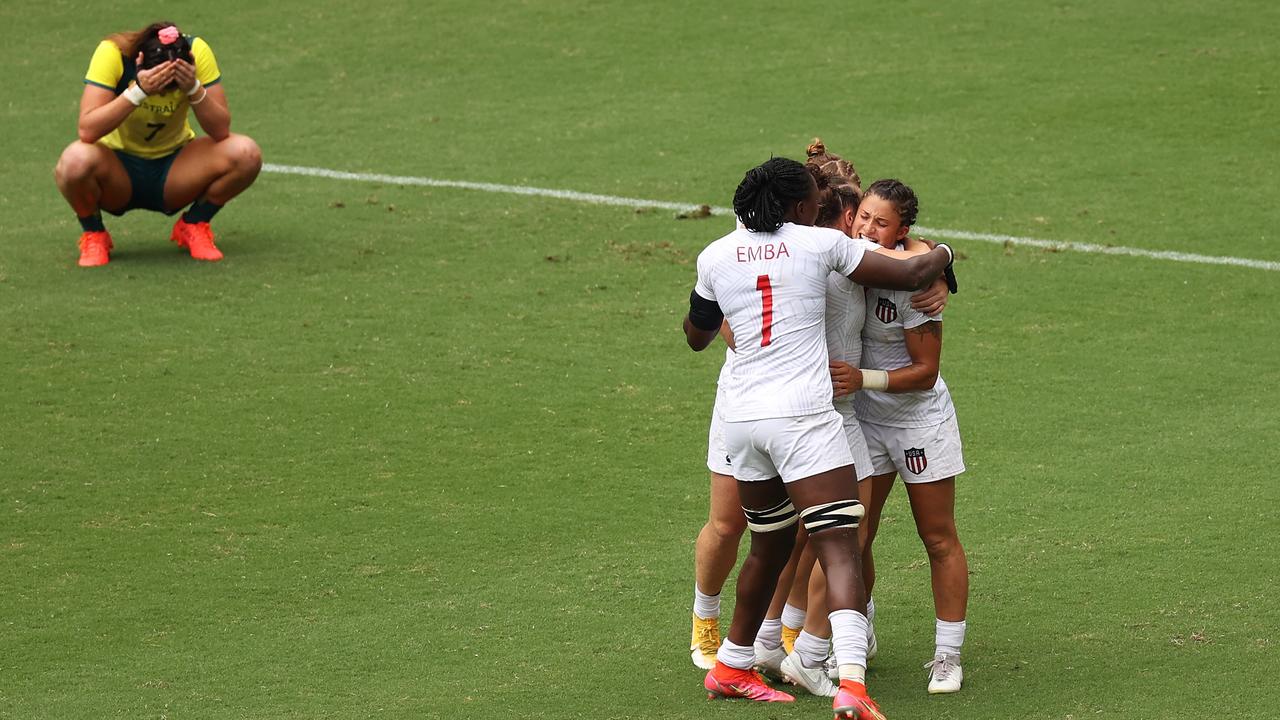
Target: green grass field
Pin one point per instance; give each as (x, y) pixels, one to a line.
(419, 452)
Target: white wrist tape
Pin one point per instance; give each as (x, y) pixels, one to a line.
(874, 379)
(195, 88)
(951, 254)
(135, 94)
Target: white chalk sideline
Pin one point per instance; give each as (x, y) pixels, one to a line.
(596, 199)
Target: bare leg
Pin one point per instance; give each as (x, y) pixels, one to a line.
(91, 177)
(874, 492)
(782, 593)
(933, 505)
(799, 597)
(836, 548)
(770, 643)
(816, 622)
(768, 555)
(715, 554)
(716, 550)
(216, 171)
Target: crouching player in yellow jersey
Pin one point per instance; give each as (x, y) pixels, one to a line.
(137, 150)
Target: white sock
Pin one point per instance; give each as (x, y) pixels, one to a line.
(705, 606)
(811, 649)
(871, 609)
(792, 616)
(770, 634)
(849, 640)
(736, 656)
(948, 637)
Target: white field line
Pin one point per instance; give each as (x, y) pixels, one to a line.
(595, 199)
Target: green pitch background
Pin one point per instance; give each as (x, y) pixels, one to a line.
(433, 453)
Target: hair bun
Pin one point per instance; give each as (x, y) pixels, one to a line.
(832, 164)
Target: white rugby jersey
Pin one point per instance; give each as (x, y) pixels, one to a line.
(846, 312)
(772, 288)
(888, 314)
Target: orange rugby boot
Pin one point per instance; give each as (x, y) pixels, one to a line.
(197, 238)
(852, 703)
(726, 682)
(95, 248)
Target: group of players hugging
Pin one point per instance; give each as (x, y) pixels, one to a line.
(830, 390)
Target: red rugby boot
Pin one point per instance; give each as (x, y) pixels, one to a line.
(852, 703)
(197, 238)
(95, 248)
(726, 682)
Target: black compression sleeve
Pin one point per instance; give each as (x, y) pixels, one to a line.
(950, 274)
(703, 313)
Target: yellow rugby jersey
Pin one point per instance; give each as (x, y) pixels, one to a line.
(159, 125)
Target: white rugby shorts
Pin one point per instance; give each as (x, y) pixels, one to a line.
(918, 455)
(717, 454)
(858, 447)
(792, 448)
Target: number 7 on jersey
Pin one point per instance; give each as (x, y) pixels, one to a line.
(766, 309)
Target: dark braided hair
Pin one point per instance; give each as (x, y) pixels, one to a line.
(767, 193)
(901, 195)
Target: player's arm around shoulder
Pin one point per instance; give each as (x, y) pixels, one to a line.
(914, 273)
(932, 299)
(909, 251)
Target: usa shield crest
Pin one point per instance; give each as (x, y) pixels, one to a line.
(886, 311)
(916, 461)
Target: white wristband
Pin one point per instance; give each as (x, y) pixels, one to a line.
(193, 100)
(195, 89)
(135, 94)
(874, 379)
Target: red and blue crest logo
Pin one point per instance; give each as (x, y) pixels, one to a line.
(886, 311)
(916, 461)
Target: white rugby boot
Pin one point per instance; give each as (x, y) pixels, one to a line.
(814, 680)
(769, 662)
(945, 674)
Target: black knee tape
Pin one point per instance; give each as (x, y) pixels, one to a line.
(782, 515)
(841, 513)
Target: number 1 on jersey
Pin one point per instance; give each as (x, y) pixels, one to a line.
(766, 309)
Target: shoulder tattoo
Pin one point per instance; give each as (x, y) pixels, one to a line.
(933, 327)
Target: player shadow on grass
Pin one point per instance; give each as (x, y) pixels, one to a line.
(148, 253)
